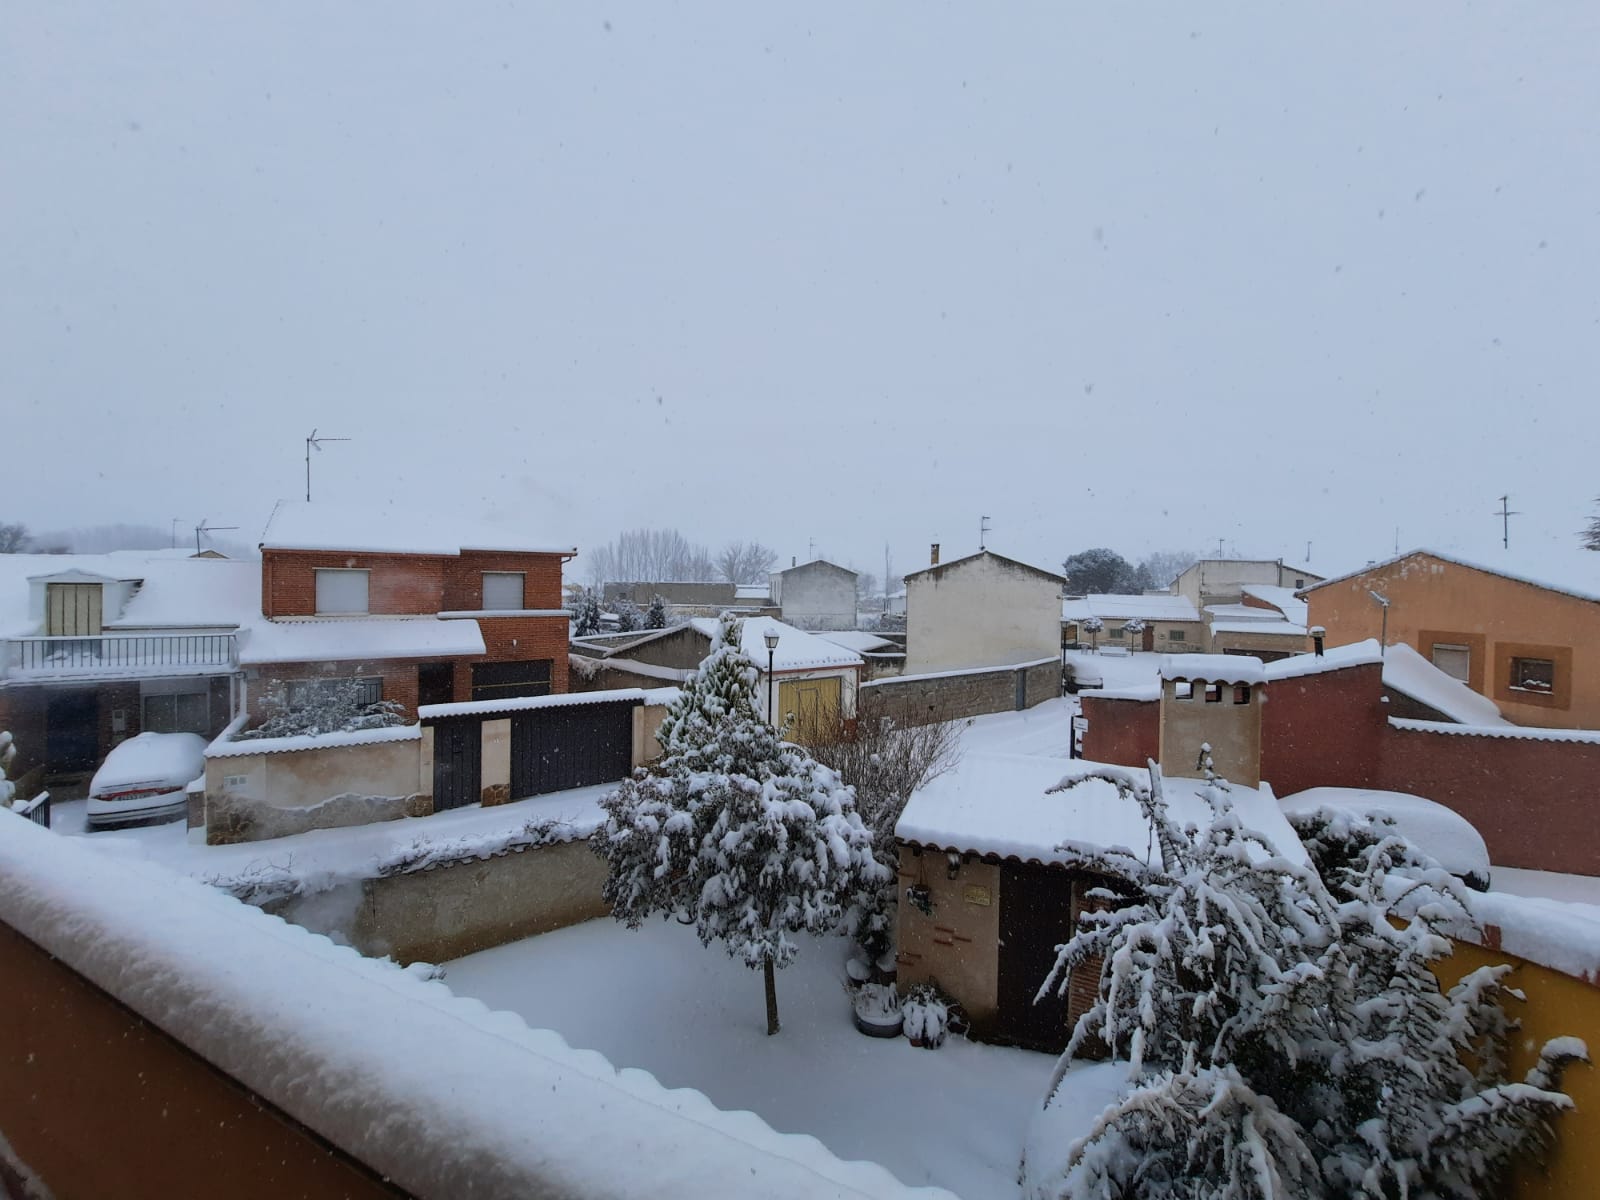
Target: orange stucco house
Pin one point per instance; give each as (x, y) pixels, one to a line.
(1528, 642)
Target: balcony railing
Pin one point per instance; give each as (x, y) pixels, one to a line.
(120, 654)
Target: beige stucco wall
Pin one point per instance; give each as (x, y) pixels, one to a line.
(647, 720)
(1233, 731)
(300, 778)
(957, 946)
(1432, 600)
(980, 612)
(1279, 643)
(1172, 637)
(495, 779)
(450, 911)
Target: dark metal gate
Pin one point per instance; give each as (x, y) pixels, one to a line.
(569, 746)
(1035, 917)
(457, 762)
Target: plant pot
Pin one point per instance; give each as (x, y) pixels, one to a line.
(878, 1026)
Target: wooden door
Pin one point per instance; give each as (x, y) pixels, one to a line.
(1035, 918)
(457, 763)
(814, 705)
(1149, 642)
(570, 746)
(73, 609)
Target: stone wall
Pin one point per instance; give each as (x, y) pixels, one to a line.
(923, 699)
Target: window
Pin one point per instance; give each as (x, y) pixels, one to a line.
(502, 590)
(1213, 693)
(1533, 675)
(1241, 693)
(188, 712)
(1175, 635)
(1454, 660)
(302, 693)
(341, 591)
(1182, 690)
(1299, 583)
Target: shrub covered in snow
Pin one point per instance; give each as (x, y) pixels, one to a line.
(1285, 1034)
(656, 616)
(335, 706)
(8, 754)
(746, 836)
(586, 614)
(925, 1012)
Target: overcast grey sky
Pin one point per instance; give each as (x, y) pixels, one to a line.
(1141, 276)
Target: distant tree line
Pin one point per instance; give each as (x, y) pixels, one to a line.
(667, 556)
(1102, 571)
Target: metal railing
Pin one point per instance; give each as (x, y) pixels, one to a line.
(119, 654)
(36, 810)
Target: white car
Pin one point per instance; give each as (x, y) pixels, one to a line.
(143, 779)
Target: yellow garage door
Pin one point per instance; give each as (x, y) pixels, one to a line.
(812, 708)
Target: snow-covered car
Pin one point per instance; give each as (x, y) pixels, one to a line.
(143, 779)
(1439, 832)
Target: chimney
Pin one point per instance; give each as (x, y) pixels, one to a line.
(794, 560)
(1317, 634)
(933, 560)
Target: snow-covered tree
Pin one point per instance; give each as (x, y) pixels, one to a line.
(14, 538)
(328, 706)
(8, 755)
(745, 835)
(656, 616)
(1095, 572)
(586, 614)
(1288, 1038)
(1591, 532)
(628, 616)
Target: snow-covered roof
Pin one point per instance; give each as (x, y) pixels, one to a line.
(175, 591)
(938, 568)
(1213, 668)
(1281, 598)
(797, 649)
(753, 591)
(467, 708)
(1241, 612)
(1406, 671)
(1438, 831)
(1335, 658)
(1112, 606)
(1270, 628)
(348, 639)
(998, 804)
(1558, 568)
(387, 529)
(376, 1064)
(855, 639)
(1505, 730)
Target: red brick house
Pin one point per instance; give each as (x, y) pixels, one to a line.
(429, 616)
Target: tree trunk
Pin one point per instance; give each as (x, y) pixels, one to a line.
(772, 997)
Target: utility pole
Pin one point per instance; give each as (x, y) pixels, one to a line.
(175, 521)
(983, 533)
(316, 441)
(1505, 514)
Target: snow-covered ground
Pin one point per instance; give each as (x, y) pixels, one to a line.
(691, 1016)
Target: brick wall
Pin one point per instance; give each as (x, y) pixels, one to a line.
(513, 639)
(402, 584)
(1124, 732)
(926, 698)
(1323, 730)
(1533, 801)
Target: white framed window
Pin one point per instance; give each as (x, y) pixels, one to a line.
(341, 591)
(502, 591)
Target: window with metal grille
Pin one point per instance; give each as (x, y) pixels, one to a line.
(302, 693)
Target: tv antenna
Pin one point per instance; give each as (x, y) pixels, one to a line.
(1505, 514)
(983, 531)
(316, 441)
(205, 528)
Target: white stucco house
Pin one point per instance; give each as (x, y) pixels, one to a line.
(816, 595)
(984, 610)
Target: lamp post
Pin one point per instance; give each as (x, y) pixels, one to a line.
(771, 639)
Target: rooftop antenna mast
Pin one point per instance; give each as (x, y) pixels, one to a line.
(205, 528)
(1505, 514)
(983, 533)
(316, 441)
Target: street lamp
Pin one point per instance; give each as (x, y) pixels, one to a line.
(771, 639)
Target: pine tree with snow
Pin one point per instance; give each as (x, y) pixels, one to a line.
(656, 617)
(744, 835)
(1591, 532)
(1286, 1036)
(628, 616)
(586, 615)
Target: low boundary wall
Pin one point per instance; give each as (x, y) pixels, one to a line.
(954, 695)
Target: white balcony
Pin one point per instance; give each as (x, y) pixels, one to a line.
(112, 656)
